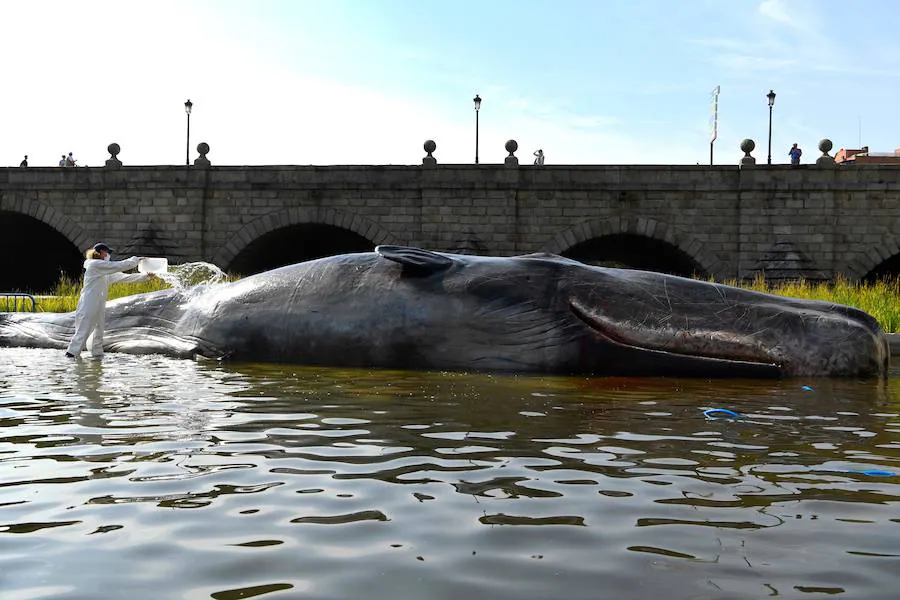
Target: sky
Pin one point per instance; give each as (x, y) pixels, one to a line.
(300, 82)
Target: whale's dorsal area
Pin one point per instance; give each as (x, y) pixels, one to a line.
(416, 258)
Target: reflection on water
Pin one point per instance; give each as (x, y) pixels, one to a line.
(178, 479)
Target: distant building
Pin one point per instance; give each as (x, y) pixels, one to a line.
(863, 156)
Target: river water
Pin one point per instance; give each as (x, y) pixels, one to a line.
(149, 477)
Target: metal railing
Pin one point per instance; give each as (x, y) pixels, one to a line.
(17, 299)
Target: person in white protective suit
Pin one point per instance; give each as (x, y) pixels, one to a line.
(90, 314)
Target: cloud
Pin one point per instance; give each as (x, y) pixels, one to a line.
(733, 55)
(779, 36)
(747, 62)
(777, 11)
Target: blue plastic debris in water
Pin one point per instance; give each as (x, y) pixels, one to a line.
(713, 413)
(878, 473)
(806, 388)
(869, 472)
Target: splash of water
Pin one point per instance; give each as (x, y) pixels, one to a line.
(193, 275)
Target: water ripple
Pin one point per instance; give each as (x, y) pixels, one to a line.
(334, 483)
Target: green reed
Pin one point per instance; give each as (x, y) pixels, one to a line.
(64, 296)
(881, 298)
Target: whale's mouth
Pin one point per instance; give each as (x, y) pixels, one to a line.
(714, 352)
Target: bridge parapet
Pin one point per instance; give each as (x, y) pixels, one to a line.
(730, 220)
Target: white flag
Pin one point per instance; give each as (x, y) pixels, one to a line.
(714, 116)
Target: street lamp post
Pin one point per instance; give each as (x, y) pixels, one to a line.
(477, 101)
(187, 153)
(771, 97)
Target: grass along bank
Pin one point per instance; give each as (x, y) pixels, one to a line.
(64, 297)
(881, 299)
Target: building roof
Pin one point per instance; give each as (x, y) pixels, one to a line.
(862, 155)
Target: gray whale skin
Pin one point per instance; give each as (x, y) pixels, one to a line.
(408, 308)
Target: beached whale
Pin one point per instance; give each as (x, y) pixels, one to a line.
(408, 308)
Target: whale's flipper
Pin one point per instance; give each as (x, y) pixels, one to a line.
(422, 261)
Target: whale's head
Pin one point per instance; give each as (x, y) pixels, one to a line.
(545, 308)
(731, 328)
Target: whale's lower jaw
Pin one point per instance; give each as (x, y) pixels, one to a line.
(713, 365)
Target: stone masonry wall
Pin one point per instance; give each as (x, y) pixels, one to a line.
(845, 220)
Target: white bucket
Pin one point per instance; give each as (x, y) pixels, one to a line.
(153, 265)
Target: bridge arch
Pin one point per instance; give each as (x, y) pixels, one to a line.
(52, 245)
(878, 261)
(293, 217)
(640, 227)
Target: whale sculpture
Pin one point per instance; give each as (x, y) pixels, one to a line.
(408, 308)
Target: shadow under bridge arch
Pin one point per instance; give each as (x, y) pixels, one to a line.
(296, 243)
(34, 255)
(635, 243)
(880, 262)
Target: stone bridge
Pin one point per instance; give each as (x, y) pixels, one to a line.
(725, 222)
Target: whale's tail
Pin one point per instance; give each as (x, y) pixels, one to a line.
(139, 324)
(38, 330)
